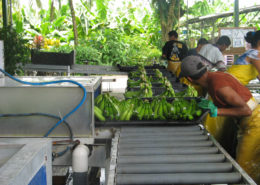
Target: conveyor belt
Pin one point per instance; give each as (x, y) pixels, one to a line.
(171, 155)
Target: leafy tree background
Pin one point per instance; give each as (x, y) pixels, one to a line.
(110, 32)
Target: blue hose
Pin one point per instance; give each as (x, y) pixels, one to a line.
(54, 82)
(41, 114)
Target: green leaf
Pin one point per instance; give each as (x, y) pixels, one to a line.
(59, 21)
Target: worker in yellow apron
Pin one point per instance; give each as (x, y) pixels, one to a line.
(173, 66)
(232, 100)
(174, 51)
(245, 73)
(247, 66)
(245, 69)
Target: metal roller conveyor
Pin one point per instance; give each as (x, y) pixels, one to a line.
(171, 155)
(176, 168)
(156, 134)
(163, 138)
(184, 178)
(166, 144)
(152, 130)
(149, 159)
(167, 151)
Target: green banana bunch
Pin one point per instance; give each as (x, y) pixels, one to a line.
(98, 113)
(146, 90)
(162, 109)
(191, 92)
(169, 91)
(127, 114)
(158, 73)
(134, 83)
(144, 111)
(132, 94)
(141, 70)
(108, 106)
(185, 110)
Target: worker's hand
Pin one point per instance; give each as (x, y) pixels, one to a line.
(207, 104)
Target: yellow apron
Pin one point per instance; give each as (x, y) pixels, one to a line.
(224, 130)
(244, 73)
(248, 149)
(173, 66)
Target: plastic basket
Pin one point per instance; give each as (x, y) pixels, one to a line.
(171, 78)
(155, 66)
(126, 68)
(133, 68)
(178, 87)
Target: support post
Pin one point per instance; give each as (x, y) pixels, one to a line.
(236, 13)
(236, 19)
(4, 10)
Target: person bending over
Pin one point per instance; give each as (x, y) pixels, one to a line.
(233, 99)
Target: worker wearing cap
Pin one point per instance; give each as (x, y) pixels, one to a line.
(212, 57)
(232, 99)
(174, 51)
(213, 52)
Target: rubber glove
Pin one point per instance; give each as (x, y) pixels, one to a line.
(207, 104)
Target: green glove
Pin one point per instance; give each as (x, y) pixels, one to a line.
(207, 104)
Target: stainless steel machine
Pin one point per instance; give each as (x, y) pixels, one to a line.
(19, 101)
(57, 99)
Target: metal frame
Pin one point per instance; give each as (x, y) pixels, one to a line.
(113, 161)
(75, 68)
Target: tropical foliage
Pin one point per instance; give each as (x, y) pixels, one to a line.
(103, 39)
(111, 32)
(16, 51)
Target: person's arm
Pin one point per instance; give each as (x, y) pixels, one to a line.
(164, 51)
(238, 107)
(185, 50)
(219, 58)
(221, 66)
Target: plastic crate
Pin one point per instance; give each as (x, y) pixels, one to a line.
(178, 87)
(133, 68)
(127, 68)
(159, 84)
(171, 78)
(165, 73)
(155, 66)
(163, 70)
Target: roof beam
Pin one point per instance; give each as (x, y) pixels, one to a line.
(221, 15)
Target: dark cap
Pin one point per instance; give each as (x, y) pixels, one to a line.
(191, 66)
